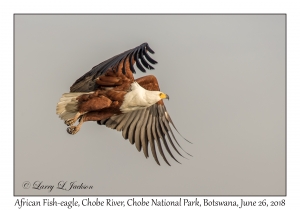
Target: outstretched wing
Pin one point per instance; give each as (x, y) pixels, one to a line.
(138, 55)
(144, 127)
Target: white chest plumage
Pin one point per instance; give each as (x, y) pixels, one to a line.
(139, 98)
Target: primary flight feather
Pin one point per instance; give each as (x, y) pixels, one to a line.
(110, 95)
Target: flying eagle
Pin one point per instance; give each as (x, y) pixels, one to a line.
(110, 95)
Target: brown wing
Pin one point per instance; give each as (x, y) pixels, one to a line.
(121, 65)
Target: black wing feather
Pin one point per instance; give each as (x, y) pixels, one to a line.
(149, 49)
(148, 57)
(137, 61)
(131, 62)
(144, 62)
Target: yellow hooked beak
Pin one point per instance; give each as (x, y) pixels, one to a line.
(164, 96)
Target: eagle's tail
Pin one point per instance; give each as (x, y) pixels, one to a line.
(67, 106)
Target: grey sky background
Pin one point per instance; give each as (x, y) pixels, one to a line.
(225, 75)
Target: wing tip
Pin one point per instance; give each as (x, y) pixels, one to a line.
(188, 141)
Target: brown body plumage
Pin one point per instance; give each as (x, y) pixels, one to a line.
(99, 94)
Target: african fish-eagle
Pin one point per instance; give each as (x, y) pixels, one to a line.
(110, 95)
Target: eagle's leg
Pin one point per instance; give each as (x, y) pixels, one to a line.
(74, 129)
(95, 116)
(71, 121)
(88, 103)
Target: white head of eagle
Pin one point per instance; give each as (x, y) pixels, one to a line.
(140, 98)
